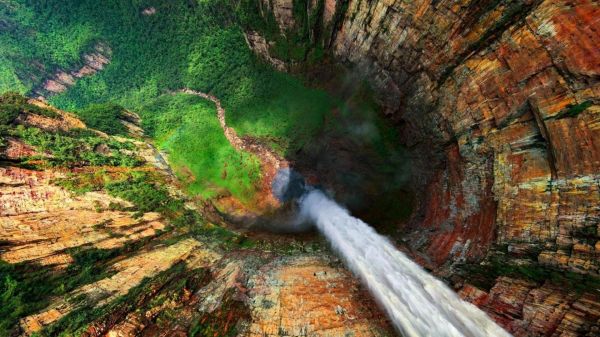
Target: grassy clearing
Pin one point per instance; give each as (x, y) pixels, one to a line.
(187, 128)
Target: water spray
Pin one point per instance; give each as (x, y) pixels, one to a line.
(417, 303)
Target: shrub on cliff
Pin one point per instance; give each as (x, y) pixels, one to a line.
(26, 288)
(146, 196)
(13, 98)
(71, 151)
(8, 113)
(14, 103)
(104, 117)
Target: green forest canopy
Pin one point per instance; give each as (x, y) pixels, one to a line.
(195, 44)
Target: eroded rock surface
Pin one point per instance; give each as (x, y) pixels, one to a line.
(92, 62)
(128, 274)
(509, 88)
(525, 309)
(176, 278)
(308, 296)
(499, 103)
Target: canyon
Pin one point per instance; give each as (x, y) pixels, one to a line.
(258, 291)
(498, 103)
(495, 102)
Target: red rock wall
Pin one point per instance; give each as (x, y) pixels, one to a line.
(487, 84)
(499, 102)
(485, 93)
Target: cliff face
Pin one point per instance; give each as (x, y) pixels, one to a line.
(506, 91)
(499, 104)
(502, 95)
(116, 249)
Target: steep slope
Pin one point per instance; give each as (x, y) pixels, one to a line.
(498, 101)
(97, 239)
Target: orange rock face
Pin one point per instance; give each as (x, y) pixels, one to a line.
(524, 309)
(509, 95)
(63, 122)
(16, 149)
(512, 90)
(499, 102)
(306, 296)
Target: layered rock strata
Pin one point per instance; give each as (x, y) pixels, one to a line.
(502, 97)
(527, 309)
(155, 277)
(499, 102)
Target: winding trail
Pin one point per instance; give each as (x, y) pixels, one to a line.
(270, 161)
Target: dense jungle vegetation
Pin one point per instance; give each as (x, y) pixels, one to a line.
(195, 44)
(185, 43)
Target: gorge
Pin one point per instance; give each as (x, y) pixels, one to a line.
(464, 132)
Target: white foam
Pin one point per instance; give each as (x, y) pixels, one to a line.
(418, 304)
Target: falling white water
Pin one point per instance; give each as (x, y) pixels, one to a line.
(418, 304)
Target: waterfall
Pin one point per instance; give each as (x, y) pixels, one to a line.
(417, 303)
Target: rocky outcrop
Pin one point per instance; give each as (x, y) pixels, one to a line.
(28, 192)
(37, 219)
(63, 121)
(132, 122)
(287, 33)
(149, 11)
(308, 296)
(290, 296)
(282, 10)
(16, 149)
(129, 273)
(525, 309)
(261, 47)
(62, 79)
